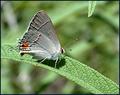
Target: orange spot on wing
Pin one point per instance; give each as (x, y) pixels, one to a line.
(25, 45)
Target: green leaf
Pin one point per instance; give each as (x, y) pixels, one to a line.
(58, 14)
(91, 7)
(70, 68)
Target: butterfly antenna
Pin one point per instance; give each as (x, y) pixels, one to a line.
(10, 49)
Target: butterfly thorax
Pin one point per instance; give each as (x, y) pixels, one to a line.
(55, 55)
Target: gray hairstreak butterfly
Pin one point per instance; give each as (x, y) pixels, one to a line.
(40, 39)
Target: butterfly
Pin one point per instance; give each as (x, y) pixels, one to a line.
(40, 39)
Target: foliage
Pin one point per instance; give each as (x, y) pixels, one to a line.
(91, 7)
(92, 41)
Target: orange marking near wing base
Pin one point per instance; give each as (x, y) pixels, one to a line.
(25, 45)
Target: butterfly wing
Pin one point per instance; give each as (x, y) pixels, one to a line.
(42, 23)
(41, 35)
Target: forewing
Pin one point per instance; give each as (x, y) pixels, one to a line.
(42, 23)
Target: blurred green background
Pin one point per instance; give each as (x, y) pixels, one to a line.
(93, 41)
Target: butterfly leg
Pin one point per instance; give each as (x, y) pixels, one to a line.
(43, 60)
(56, 62)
